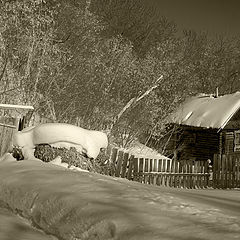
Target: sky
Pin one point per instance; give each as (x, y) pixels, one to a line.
(217, 17)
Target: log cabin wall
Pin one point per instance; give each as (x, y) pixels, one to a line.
(197, 144)
(188, 143)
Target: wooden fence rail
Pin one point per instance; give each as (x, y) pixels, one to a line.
(164, 172)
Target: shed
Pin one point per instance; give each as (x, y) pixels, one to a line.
(206, 125)
(12, 118)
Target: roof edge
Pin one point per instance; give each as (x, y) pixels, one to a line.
(229, 118)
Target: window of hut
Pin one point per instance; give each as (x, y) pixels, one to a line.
(237, 141)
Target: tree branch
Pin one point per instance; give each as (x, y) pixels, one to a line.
(58, 41)
(135, 100)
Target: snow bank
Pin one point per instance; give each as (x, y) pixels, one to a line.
(58, 161)
(140, 150)
(7, 157)
(13, 227)
(53, 199)
(60, 135)
(88, 206)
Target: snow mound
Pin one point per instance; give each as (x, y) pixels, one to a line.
(7, 157)
(60, 135)
(140, 150)
(58, 161)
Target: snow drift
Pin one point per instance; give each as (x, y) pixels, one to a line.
(60, 135)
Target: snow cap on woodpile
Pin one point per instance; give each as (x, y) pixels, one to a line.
(60, 135)
(207, 111)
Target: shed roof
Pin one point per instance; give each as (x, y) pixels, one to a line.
(207, 111)
(13, 107)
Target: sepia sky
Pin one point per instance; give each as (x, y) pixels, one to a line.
(214, 16)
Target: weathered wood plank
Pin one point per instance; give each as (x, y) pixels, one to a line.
(124, 164)
(168, 170)
(159, 178)
(141, 169)
(215, 160)
(135, 169)
(113, 158)
(191, 176)
(238, 172)
(146, 169)
(119, 161)
(155, 165)
(206, 177)
(177, 176)
(231, 159)
(223, 171)
(150, 165)
(130, 168)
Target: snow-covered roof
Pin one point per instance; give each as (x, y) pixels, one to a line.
(207, 111)
(11, 106)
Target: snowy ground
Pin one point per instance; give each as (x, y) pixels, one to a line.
(79, 205)
(13, 227)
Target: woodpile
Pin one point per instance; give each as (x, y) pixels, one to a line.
(71, 156)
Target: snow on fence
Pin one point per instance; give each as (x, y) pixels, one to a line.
(226, 171)
(164, 172)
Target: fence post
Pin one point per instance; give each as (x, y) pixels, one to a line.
(223, 171)
(119, 163)
(113, 158)
(236, 162)
(140, 170)
(130, 168)
(206, 173)
(214, 178)
(237, 172)
(124, 165)
(227, 175)
(190, 184)
(159, 180)
(177, 177)
(172, 172)
(230, 173)
(168, 177)
(150, 170)
(155, 169)
(135, 169)
(146, 170)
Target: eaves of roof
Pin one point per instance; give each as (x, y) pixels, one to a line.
(207, 111)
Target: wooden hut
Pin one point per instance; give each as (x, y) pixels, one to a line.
(206, 125)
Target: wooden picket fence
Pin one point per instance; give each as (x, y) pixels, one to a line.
(226, 171)
(162, 172)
